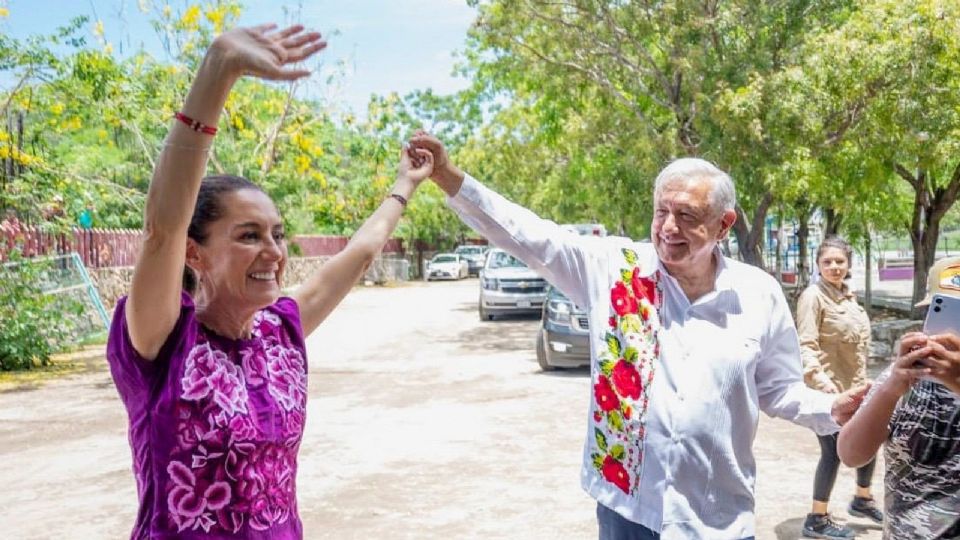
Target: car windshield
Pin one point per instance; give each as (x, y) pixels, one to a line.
(502, 259)
(469, 250)
(445, 258)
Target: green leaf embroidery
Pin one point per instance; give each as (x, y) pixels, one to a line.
(606, 366)
(615, 421)
(631, 324)
(601, 439)
(597, 461)
(630, 255)
(626, 275)
(617, 452)
(631, 355)
(613, 344)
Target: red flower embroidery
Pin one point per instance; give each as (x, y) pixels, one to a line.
(606, 398)
(626, 379)
(643, 287)
(597, 416)
(614, 472)
(612, 322)
(623, 302)
(627, 412)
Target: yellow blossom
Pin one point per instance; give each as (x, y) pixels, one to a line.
(4, 12)
(98, 28)
(4, 136)
(144, 5)
(167, 11)
(303, 163)
(101, 134)
(238, 121)
(215, 16)
(321, 179)
(191, 17)
(56, 108)
(108, 49)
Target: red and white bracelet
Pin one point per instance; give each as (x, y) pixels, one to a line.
(195, 125)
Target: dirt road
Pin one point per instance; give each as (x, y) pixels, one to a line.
(422, 422)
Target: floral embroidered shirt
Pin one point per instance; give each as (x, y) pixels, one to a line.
(215, 426)
(676, 386)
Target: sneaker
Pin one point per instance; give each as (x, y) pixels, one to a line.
(866, 508)
(823, 526)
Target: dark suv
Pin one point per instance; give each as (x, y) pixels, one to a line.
(563, 339)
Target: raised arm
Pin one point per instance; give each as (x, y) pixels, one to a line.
(557, 255)
(153, 305)
(328, 285)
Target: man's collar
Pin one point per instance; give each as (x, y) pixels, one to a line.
(722, 280)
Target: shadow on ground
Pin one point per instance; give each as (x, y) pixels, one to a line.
(790, 529)
(86, 360)
(503, 334)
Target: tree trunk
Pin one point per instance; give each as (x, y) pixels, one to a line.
(834, 220)
(868, 278)
(749, 233)
(803, 233)
(778, 260)
(930, 204)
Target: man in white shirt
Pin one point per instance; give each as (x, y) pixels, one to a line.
(687, 347)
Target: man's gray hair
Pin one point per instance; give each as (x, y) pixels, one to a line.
(723, 196)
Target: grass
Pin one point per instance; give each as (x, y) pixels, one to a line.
(86, 358)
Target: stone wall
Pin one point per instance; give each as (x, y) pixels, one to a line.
(884, 335)
(112, 283)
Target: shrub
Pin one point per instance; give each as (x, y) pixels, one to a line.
(33, 323)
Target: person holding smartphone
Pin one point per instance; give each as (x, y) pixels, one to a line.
(914, 407)
(834, 334)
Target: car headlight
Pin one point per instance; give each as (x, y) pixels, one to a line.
(558, 312)
(489, 284)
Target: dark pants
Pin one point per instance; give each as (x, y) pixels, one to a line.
(613, 526)
(828, 466)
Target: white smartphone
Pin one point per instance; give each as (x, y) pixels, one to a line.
(943, 315)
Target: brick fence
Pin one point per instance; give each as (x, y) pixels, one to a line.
(107, 248)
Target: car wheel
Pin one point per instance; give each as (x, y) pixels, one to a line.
(542, 353)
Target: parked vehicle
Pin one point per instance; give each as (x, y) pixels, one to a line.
(446, 266)
(586, 229)
(475, 256)
(563, 339)
(508, 286)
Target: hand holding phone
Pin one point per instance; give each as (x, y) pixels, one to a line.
(943, 315)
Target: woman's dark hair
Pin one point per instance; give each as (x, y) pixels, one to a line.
(838, 243)
(208, 209)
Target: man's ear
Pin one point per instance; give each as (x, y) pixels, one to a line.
(727, 220)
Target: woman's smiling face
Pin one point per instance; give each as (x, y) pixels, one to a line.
(241, 263)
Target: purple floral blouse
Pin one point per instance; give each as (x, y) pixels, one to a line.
(215, 426)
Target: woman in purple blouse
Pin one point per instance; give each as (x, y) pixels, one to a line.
(207, 356)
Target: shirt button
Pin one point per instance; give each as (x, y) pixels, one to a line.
(680, 396)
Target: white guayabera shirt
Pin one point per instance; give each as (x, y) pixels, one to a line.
(676, 395)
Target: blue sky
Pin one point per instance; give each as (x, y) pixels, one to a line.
(397, 45)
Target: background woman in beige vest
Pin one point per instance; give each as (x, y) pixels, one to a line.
(834, 342)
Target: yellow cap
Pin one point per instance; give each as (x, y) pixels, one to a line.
(944, 278)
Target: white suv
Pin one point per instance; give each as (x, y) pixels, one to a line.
(507, 286)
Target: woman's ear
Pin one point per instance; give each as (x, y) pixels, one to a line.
(193, 258)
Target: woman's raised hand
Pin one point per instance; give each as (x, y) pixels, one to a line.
(416, 164)
(265, 52)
